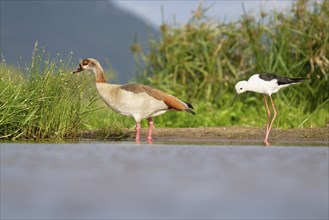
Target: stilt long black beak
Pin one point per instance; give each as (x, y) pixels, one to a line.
(235, 97)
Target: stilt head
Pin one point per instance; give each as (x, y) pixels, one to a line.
(241, 87)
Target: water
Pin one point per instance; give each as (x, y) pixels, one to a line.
(124, 180)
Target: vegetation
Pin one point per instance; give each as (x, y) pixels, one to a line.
(199, 62)
(43, 100)
(202, 60)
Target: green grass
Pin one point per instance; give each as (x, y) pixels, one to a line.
(199, 62)
(42, 101)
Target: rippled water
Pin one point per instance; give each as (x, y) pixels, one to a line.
(123, 180)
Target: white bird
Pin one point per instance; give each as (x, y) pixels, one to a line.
(136, 100)
(266, 84)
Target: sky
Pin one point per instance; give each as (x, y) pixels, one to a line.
(180, 11)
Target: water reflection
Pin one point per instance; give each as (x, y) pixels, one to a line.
(124, 180)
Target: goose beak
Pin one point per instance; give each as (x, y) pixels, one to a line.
(79, 69)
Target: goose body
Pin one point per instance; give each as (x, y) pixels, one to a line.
(135, 100)
(131, 103)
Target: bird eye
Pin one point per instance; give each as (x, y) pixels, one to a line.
(85, 62)
(241, 88)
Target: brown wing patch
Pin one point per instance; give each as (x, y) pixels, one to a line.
(139, 88)
(174, 103)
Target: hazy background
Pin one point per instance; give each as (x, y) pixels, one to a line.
(101, 29)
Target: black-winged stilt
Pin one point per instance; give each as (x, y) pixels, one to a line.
(266, 84)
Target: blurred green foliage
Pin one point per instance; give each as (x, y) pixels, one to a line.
(202, 60)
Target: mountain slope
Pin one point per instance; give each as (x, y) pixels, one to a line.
(95, 29)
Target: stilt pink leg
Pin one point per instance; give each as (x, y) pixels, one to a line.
(268, 113)
(138, 132)
(269, 129)
(149, 134)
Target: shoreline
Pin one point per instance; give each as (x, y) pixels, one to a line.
(220, 134)
(202, 135)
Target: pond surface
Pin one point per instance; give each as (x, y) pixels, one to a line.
(124, 180)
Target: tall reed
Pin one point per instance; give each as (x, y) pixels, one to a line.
(43, 100)
(203, 59)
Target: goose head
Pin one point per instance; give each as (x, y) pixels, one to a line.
(87, 64)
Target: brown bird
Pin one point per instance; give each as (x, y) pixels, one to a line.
(136, 100)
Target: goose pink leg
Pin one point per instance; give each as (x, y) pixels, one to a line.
(149, 134)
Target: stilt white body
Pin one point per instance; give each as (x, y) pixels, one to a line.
(266, 84)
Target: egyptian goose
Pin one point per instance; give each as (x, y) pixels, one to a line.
(136, 100)
(266, 84)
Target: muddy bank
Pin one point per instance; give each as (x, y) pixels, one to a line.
(311, 135)
(243, 134)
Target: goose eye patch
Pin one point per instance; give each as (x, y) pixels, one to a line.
(85, 62)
